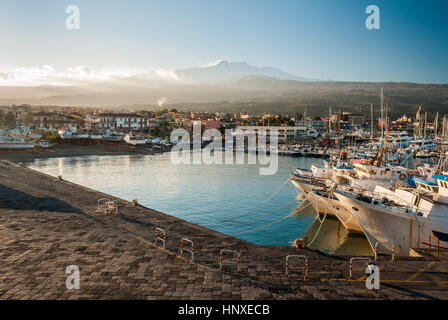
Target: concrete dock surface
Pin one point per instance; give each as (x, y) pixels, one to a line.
(47, 224)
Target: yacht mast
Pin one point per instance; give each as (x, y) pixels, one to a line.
(329, 121)
(382, 113)
(306, 121)
(436, 125)
(371, 122)
(424, 128)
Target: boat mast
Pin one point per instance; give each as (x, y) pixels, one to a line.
(424, 128)
(443, 126)
(382, 113)
(329, 121)
(371, 122)
(304, 117)
(436, 124)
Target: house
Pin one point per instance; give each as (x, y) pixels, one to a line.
(129, 121)
(285, 133)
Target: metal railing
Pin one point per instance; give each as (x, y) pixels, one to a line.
(398, 205)
(376, 250)
(238, 260)
(191, 250)
(162, 238)
(299, 256)
(436, 246)
(351, 263)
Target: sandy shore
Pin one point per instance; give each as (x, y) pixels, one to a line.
(76, 151)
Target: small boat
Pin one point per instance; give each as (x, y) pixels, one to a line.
(44, 144)
(134, 140)
(15, 143)
(425, 153)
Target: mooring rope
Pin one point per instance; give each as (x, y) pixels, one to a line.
(274, 193)
(323, 220)
(278, 208)
(275, 222)
(235, 222)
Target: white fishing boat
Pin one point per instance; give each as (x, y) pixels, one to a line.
(399, 139)
(96, 136)
(134, 140)
(44, 144)
(15, 143)
(72, 133)
(399, 219)
(368, 176)
(309, 134)
(112, 136)
(424, 153)
(422, 144)
(322, 198)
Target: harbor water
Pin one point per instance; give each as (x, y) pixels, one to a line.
(230, 198)
(233, 199)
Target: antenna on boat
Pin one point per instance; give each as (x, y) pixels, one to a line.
(382, 113)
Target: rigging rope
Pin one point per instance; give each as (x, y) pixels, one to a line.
(274, 193)
(323, 220)
(275, 222)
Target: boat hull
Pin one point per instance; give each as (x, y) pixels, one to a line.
(17, 146)
(391, 228)
(331, 206)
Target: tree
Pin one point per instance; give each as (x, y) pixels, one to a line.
(9, 120)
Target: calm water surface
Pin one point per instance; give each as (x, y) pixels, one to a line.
(209, 195)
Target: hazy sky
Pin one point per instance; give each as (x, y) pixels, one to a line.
(323, 39)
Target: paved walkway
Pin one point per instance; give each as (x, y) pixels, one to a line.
(47, 225)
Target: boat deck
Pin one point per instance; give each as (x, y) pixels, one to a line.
(48, 224)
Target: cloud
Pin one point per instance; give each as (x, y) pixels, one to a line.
(6, 76)
(167, 74)
(48, 75)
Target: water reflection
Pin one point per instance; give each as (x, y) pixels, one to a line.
(209, 195)
(223, 197)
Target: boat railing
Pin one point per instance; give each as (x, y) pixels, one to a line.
(392, 202)
(436, 246)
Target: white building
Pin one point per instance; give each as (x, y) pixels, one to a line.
(118, 121)
(105, 121)
(285, 133)
(129, 121)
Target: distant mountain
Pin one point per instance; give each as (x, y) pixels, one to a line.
(226, 71)
(233, 86)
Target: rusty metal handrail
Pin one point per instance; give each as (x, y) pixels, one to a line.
(230, 251)
(375, 249)
(300, 256)
(162, 238)
(356, 258)
(430, 245)
(188, 250)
